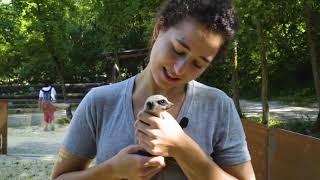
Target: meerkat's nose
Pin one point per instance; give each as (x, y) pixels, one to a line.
(170, 104)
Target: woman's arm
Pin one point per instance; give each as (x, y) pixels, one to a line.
(124, 165)
(197, 165)
(241, 171)
(70, 166)
(39, 103)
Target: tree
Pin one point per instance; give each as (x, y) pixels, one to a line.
(310, 19)
(255, 12)
(9, 32)
(264, 74)
(235, 79)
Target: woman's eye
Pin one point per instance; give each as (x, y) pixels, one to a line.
(195, 64)
(179, 52)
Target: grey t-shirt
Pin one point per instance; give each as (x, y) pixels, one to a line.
(103, 125)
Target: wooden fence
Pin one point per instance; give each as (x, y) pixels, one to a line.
(278, 154)
(3, 126)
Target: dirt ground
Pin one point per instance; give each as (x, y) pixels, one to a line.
(20, 168)
(31, 153)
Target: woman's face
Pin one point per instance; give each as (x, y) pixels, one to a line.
(182, 53)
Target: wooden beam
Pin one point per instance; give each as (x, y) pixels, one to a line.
(126, 54)
(3, 126)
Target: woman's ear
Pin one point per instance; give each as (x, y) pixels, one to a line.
(159, 26)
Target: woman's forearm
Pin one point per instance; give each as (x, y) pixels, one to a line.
(196, 164)
(97, 172)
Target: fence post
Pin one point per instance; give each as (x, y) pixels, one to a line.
(3, 126)
(257, 139)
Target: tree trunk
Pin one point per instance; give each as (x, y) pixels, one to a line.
(311, 35)
(235, 79)
(264, 89)
(316, 127)
(58, 63)
(59, 67)
(115, 76)
(264, 74)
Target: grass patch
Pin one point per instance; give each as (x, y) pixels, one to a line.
(63, 121)
(298, 97)
(296, 100)
(298, 126)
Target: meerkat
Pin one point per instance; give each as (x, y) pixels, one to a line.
(155, 105)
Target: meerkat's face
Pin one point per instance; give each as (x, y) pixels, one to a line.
(156, 104)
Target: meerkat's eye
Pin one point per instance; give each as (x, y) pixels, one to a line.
(162, 102)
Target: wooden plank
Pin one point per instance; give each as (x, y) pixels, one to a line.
(257, 139)
(127, 54)
(3, 126)
(293, 156)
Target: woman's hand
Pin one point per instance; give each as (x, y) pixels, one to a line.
(158, 136)
(128, 165)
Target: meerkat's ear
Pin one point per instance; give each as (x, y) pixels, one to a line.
(150, 105)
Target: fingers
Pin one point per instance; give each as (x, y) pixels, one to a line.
(154, 165)
(133, 148)
(148, 119)
(150, 148)
(148, 143)
(157, 161)
(167, 116)
(144, 129)
(151, 172)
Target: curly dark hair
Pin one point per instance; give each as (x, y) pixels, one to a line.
(217, 16)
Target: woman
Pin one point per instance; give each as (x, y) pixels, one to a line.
(188, 36)
(47, 95)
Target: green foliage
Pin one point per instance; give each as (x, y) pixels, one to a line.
(301, 126)
(299, 97)
(126, 24)
(285, 43)
(39, 37)
(62, 121)
(219, 74)
(46, 37)
(273, 121)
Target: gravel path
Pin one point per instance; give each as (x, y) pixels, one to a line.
(33, 140)
(279, 110)
(31, 153)
(20, 168)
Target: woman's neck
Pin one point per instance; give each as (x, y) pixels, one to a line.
(146, 86)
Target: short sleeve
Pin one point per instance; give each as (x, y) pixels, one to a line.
(53, 94)
(231, 148)
(40, 94)
(80, 138)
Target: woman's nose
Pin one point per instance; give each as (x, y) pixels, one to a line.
(180, 66)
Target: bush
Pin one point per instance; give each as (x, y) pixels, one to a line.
(298, 126)
(63, 121)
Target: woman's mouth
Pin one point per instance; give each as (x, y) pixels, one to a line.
(168, 76)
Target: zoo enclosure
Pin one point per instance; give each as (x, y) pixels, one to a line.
(276, 154)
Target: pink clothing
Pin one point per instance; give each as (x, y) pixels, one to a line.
(48, 110)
